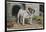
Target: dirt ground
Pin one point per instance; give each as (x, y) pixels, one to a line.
(14, 25)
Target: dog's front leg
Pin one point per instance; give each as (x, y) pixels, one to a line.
(23, 20)
(30, 20)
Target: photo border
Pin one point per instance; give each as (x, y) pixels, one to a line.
(24, 29)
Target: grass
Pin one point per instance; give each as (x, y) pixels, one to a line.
(39, 19)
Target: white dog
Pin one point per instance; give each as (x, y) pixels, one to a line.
(24, 14)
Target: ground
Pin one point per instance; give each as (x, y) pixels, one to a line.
(34, 25)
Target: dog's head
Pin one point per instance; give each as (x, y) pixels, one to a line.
(32, 11)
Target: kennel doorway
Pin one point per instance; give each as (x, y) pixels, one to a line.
(11, 11)
(15, 10)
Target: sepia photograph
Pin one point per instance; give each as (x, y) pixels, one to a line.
(24, 15)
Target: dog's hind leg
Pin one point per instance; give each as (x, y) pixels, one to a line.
(18, 18)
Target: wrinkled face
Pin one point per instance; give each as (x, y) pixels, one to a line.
(30, 10)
